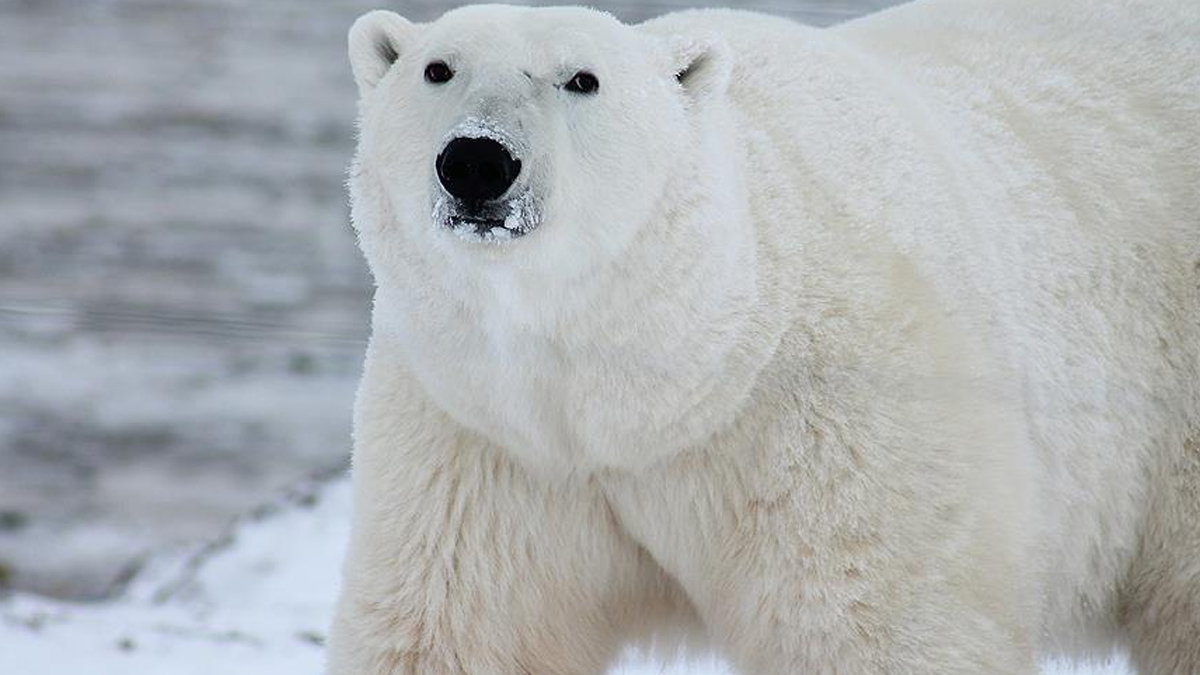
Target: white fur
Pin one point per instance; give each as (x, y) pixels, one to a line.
(868, 349)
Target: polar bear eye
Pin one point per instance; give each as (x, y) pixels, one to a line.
(438, 72)
(583, 83)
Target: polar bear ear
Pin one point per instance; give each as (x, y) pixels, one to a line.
(701, 64)
(377, 39)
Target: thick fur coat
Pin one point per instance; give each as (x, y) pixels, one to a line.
(872, 349)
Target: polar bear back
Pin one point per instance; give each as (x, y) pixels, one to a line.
(1075, 136)
(1038, 162)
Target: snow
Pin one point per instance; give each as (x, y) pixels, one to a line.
(256, 600)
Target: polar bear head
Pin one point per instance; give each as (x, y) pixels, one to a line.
(535, 138)
(552, 206)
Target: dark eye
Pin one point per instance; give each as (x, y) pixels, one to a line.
(438, 72)
(583, 83)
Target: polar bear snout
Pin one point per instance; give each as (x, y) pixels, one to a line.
(476, 170)
(480, 198)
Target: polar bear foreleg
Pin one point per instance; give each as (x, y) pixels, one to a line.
(838, 572)
(462, 563)
(1160, 607)
(474, 568)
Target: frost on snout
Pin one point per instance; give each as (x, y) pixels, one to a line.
(482, 193)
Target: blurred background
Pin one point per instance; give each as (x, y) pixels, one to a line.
(182, 306)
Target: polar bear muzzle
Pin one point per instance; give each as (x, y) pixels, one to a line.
(476, 169)
(480, 199)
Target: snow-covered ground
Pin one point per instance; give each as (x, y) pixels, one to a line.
(255, 601)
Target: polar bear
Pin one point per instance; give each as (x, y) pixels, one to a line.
(872, 349)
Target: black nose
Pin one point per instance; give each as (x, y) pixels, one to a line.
(476, 169)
